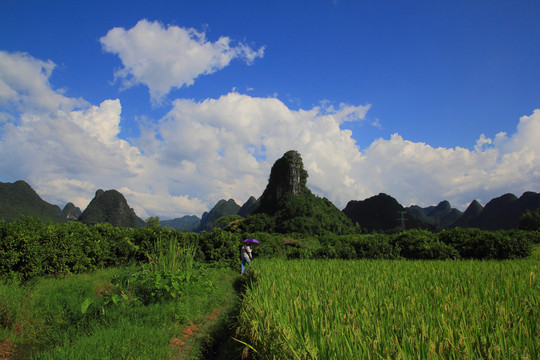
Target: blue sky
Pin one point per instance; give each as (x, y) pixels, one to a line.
(178, 104)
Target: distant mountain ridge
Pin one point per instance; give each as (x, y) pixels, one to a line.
(501, 213)
(222, 208)
(505, 211)
(473, 210)
(71, 212)
(438, 217)
(378, 213)
(249, 207)
(190, 223)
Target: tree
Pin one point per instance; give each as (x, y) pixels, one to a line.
(258, 223)
(530, 220)
(153, 222)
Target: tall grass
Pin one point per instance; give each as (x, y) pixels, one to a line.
(170, 255)
(309, 309)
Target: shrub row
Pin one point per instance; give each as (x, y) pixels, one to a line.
(29, 248)
(422, 244)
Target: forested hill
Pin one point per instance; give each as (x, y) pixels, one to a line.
(19, 199)
(288, 206)
(110, 206)
(381, 212)
(222, 208)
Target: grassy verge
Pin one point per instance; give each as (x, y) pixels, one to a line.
(101, 315)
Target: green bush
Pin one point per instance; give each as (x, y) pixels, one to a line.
(149, 287)
(299, 252)
(480, 244)
(20, 250)
(220, 246)
(375, 246)
(336, 247)
(29, 248)
(258, 223)
(530, 220)
(423, 244)
(124, 244)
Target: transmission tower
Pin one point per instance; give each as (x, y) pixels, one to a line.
(402, 219)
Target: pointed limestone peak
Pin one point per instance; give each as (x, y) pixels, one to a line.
(286, 177)
(474, 208)
(249, 207)
(444, 205)
(110, 207)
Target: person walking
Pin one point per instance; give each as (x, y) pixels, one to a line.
(245, 256)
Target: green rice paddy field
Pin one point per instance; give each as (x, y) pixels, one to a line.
(373, 309)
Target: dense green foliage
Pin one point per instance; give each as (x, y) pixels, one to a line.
(30, 248)
(305, 213)
(224, 221)
(422, 244)
(530, 220)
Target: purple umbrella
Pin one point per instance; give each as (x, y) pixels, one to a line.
(251, 242)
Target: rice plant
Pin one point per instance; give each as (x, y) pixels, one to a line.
(309, 309)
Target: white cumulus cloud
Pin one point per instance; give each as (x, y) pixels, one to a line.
(204, 151)
(169, 57)
(24, 85)
(418, 173)
(231, 142)
(66, 148)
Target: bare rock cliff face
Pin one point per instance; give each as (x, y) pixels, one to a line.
(71, 212)
(286, 177)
